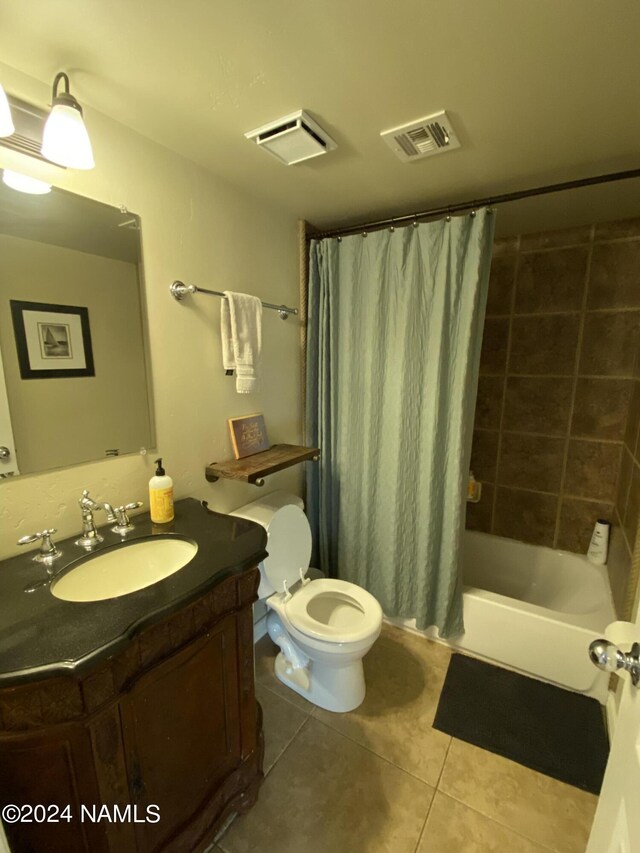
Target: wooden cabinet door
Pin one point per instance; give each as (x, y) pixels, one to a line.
(181, 728)
(54, 769)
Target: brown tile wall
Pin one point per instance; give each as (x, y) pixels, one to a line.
(556, 441)
(625, 576)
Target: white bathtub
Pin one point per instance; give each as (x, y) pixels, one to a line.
(534, 610)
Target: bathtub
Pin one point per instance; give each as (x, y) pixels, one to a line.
(534, 610)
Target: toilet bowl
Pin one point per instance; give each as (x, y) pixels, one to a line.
(324, 627)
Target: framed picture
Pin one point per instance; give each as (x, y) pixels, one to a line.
(248, 435)
(53, 341)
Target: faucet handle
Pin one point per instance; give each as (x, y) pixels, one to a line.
(48, 551)
(124, 524)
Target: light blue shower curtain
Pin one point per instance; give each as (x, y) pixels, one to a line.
(393, 347)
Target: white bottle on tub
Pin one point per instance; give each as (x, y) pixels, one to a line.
(599, 545)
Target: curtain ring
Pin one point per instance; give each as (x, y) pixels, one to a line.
(473, 213)
(364, 233)
(339, 239)
(415, 220)
(448, 216)
(392, 227)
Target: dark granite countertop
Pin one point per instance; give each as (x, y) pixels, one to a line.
(42, 636)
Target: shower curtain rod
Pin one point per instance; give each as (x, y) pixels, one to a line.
(481, 202)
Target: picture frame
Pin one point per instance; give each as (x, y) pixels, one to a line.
(248, 435)
(52, 341)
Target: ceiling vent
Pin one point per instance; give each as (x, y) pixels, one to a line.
(423, 138)
(292, 139)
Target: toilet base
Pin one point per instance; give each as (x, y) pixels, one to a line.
(339, 689)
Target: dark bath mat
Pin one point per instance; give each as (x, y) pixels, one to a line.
(546, 728)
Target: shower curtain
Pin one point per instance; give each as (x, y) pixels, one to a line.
(395, 322)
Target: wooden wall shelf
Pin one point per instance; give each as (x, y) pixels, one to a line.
(253, 469)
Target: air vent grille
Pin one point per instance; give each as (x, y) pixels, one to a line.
(423, 138)
(293, 138)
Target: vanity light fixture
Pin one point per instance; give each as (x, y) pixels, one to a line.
(7, 128)
(24, 183)
(65, 140)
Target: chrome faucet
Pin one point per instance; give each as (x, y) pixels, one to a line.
(90, 536)
(120, 515)
(111, 512)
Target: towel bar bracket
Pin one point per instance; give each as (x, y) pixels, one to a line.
(179, 290)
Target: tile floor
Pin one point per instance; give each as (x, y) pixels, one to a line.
(382, 780)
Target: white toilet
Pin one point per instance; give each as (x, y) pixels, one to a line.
(323, 627)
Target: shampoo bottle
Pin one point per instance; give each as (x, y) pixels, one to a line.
(161, 496)
(474, 488)
(599, 545)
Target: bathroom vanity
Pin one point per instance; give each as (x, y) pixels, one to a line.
(144, 702)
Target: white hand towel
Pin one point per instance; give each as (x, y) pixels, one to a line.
(241, 329)
(228, 358)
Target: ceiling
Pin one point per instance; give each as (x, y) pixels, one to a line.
(539, 91)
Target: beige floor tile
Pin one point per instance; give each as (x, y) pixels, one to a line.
(542, 809)
(404, 674)
(281, 721)
(455, 828)
(265, 655)
(328, 795)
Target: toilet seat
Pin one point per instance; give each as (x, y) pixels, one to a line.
(333, 610)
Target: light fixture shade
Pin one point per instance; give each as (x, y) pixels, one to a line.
(7, 127)
(65, 140)
(24, 183)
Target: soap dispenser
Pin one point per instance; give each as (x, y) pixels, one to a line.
(161, 496)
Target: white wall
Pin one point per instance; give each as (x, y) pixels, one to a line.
(199, 229)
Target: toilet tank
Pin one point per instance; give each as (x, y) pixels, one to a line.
(262, 510)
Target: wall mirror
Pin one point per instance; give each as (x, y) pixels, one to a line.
(74, 379)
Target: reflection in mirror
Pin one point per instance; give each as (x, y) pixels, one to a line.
(74, 384)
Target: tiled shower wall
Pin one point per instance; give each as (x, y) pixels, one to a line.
(558, 402)
(625, 576)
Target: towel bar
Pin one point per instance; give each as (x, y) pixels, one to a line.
(179, 290)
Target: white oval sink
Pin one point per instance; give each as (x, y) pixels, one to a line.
(124, 569)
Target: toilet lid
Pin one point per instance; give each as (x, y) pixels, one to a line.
(289, 546)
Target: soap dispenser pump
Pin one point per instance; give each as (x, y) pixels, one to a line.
(161, 496)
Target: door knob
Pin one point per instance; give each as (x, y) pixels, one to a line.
(610, 658)
(5, 453)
